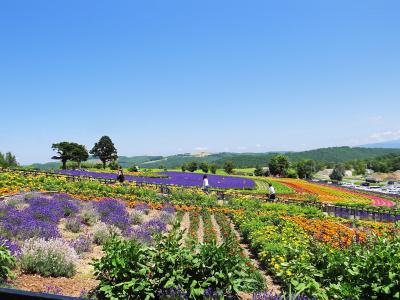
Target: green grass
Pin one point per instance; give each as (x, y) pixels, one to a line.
(280, 188)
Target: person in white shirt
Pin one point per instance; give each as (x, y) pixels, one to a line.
(271, 189)
(205, 183)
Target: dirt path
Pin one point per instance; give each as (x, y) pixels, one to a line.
(65, 286)
(271, 286)
(185, 224)
(217, 229)
(200, 232)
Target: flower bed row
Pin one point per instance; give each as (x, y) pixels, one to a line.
(330, 194)
(323, 257)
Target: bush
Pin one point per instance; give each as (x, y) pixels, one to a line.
(166, 217)
(83, 244)
(136, 217)
(204, 167)
(291, 173)
(73, 224)
(143, 207)
(89, 215)
(7, 262)
(192, 166)
(16, 200)
(113, 212)
(54, 257)
(228, 167)
(168, 265)
(102, 232)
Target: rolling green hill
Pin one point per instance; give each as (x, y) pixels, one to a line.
(247, 160)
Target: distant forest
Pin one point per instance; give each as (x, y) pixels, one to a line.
(328, 156)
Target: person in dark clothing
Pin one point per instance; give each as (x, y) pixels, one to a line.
(120, 176)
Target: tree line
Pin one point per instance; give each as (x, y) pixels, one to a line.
(205, 167)
(8, 160)
(104, 149)
(280, 165)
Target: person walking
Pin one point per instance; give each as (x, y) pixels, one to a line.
(205, 184)
(120, 176)
(271, 190)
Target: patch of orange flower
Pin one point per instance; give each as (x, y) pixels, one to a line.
(327, 231)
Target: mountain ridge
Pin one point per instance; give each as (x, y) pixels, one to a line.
(245, 160)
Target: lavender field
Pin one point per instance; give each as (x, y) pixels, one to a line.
(175, 178)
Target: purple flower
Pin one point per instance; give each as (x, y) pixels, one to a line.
(83, 243)
(176, 178)
(142, 235)
(114, 212)
(25, 224)
(155, 226)
(168, 208)
(142, 207)
(50, 289)
(12, 246)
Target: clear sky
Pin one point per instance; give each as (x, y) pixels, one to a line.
(166, 77)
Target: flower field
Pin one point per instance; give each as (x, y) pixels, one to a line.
(331, 194)
(113, 241)
(185, 179)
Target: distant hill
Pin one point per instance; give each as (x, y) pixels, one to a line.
(388, 144)
(247, 160)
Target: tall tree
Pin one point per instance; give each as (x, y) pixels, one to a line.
(258, 171)
(213, 168)
(192, 166)
(65, 152)
(184, 167)
(79, 154)
(204, 167)
(105, 150)
(10, 159)
(338, 173)
(306, 168)
(228, 167)
(279, 165)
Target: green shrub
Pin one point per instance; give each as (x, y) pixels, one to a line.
(54, 257)
(7, 262)
(89, 215)
(130, 270)
(73, 224)
(102, 232)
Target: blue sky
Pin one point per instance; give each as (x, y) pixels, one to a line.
(166, 77)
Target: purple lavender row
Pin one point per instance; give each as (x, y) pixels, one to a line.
(175, 178)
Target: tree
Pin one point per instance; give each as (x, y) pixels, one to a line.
(105, 150)
(204, 167)
(184, 167)
(8, 160)
(79, 154)
(337, 173)
(360, 167)
(192, 166)
(213, 168)
(279, 165)
(291, 173)
(65, 152)
(228, 167)
(258, 171)
(306, 168)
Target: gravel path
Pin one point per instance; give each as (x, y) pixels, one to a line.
(200, 232)
(217, 230)
(271, 286)
(185, 224)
